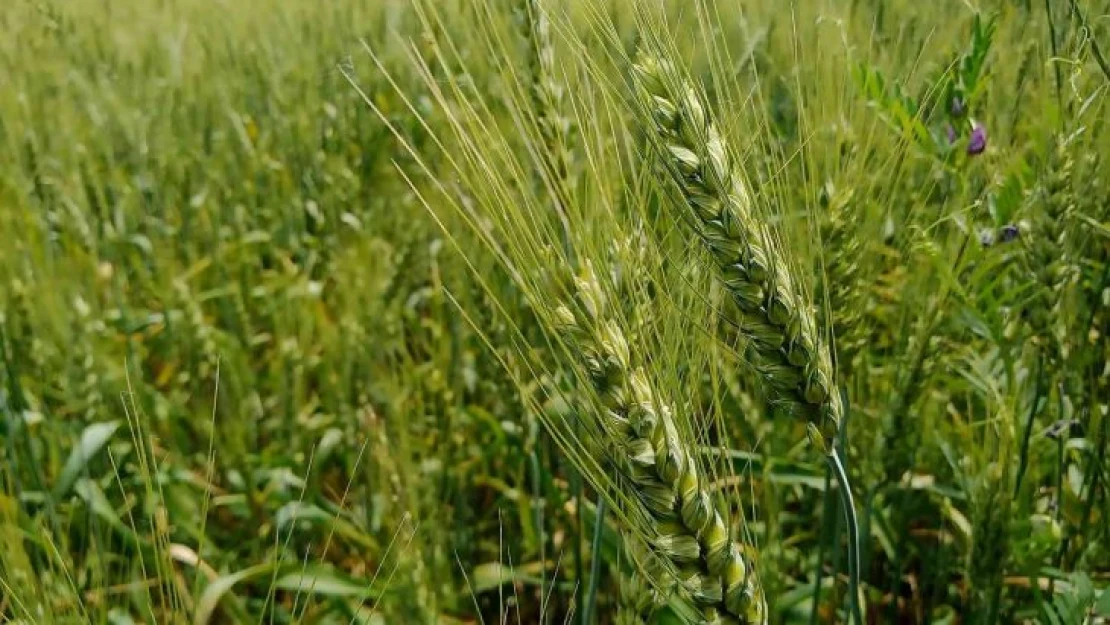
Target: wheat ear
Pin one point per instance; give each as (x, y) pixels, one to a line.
(688, 532)
(545, 89)
(842, 286)
(784, 346)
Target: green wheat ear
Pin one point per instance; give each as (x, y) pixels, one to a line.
(783, 344)
(784, 347)
(711, 569)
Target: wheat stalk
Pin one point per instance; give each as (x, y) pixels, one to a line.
(784, 346)
(688, 532)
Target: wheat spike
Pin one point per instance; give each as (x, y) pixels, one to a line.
(546, 89)
(546, 92)
(689, 532)
(784, 346)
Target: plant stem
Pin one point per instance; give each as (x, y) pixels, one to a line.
(849, 506)
(537, 511)
(1101, 60)
(818, 574)
(595, 563)
(1023, 456)
(1055, 55)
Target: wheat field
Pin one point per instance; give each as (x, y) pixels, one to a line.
(565, 312)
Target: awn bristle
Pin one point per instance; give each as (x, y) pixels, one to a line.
(688, 530)
(784, 346)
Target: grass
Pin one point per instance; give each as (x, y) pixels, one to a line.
(284, 291)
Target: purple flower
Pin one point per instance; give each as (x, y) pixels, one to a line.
(951, 133)
(1008, 233)
(978, 141)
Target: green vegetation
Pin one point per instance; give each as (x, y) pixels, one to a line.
(577, 312)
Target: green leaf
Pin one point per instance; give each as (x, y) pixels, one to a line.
(1102, 606)
(297, 512)
(210, 599)
(666, 616)
(117, 616)
(325, 581)
(94, 498)
(93, 439)
(493, 574)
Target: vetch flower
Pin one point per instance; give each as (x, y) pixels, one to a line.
(978, 141)
(950, 132)
(1008, 233)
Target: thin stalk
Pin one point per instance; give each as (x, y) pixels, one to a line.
(1061, 464)
(1023, 457)
(1061, 460)
(1055, 55)
(1086, 495)
(849, 505)
(537, 512)
(819, 572)
(835, 469)
(1101, 60)
(579, 514)
(595, 564)
(8, 412)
